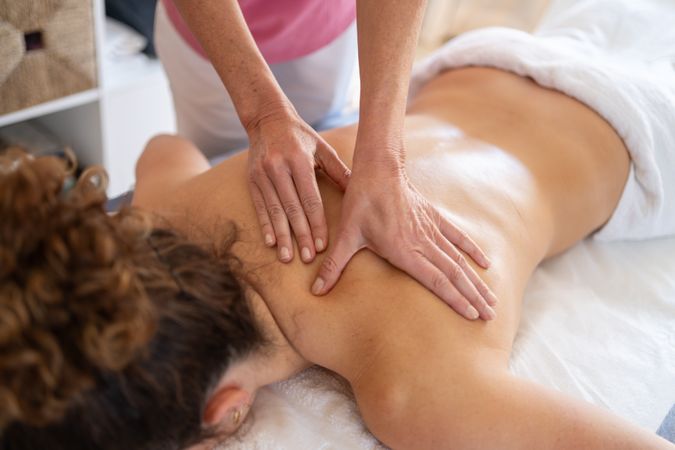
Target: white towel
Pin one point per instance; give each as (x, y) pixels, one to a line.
(617, 57)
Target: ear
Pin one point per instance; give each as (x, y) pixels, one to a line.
(227, 407)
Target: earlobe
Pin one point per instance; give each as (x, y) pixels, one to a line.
(227, 408)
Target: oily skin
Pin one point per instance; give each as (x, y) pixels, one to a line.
(284, 151)
(527, 172)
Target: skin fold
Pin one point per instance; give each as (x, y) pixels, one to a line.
(525, 171)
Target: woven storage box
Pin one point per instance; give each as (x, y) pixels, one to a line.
(47, 51)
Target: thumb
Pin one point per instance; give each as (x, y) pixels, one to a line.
(332, 165)
(335, 261)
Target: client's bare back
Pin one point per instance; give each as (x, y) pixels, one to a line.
(526, 172)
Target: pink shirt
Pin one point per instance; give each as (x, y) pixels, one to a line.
(283, 29)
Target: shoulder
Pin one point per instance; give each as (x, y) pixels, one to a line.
(384, 398)
(166, 162)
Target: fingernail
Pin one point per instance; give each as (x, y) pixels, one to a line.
(269, 240)
(492, 298)
(318, 243)
(284, 254)
(471, 312)
(317, 286)
(490, 314)
(306, 254)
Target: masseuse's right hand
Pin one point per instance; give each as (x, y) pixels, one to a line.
(284, 150)
(284, 153)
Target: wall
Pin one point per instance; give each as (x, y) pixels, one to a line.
(447, 18)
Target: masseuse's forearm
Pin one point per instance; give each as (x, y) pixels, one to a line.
(388, 31)
(220, 27)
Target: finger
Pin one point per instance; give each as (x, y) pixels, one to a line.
(278, 217)
(464, 242)
(283, 182)
(308, 192)
(332, 165)
(422, 269)
(455, 276)
(344, 247)
(263, 217)
(474, 278)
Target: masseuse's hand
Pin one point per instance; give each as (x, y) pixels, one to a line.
(284, 153)
(385, 213)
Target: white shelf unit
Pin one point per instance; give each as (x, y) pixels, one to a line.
(109, 125)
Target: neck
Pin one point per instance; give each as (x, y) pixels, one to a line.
(277, 360)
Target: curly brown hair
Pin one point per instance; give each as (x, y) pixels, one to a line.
(112, 331)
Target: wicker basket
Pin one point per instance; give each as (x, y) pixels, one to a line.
(47, 51)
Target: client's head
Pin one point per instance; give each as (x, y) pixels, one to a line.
(113, 334)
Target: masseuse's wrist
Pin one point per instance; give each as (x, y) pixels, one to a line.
(275, 113)
(383, 169)
(379, 158)
(261, 102)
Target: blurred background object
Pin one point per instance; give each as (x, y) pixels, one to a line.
(47, 51)
(36, 140)
(137, 14)
(32, 137)
(122, 41)
(45, 44)
(445, 19)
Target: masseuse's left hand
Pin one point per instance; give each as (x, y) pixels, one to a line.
(382, 211)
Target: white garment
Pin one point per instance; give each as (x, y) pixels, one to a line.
(617, 57)
(319, 85)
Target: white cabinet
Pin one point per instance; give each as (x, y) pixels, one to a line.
(110, 124)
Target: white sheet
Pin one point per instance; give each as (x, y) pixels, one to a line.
(598, 324)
